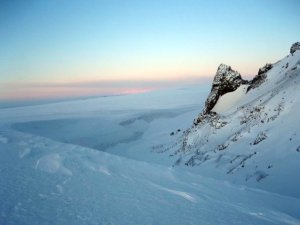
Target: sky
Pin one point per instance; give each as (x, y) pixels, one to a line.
(59, 48)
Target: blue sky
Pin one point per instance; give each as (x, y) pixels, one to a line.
(59, 41)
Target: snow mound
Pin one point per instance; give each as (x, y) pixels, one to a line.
(52, 163)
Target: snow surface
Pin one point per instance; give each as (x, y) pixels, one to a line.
(256, 142)
(107, 161)
(58, 183)
(229, 100)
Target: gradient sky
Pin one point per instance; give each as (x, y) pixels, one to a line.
(71, 48)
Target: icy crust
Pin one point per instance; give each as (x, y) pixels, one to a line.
(255, 138)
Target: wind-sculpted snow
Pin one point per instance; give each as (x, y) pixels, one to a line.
(58, 183)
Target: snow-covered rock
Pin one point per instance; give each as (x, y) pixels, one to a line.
(295, 47)
(250, 137)
(226, 80)
(260, 77)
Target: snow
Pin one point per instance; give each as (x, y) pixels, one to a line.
(229, 100)
(23, 153)
(182, 194)
(254, 142)
(3, 139)
(52, 163)
(112, 160)
(134, 192)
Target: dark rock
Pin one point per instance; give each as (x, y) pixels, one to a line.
(222, 147)
(212, 118)
(265, 69)
(260, 175)
(270, 166)
(260, 137)
(205, 118)
(226, 80)
(260, 77)
(295, 47)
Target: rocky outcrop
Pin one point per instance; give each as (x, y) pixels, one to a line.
(295, 47)
(237, 137)
(226, 80)
(260, 77)
(212, 118)
(264, 69)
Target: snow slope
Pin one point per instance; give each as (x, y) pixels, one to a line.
(121, 125)
(107, 160)
(230, 99)
(256, 140)
(49, 182)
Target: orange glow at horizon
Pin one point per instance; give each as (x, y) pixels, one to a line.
(47, 90)
(137, 90)
(67, 92)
